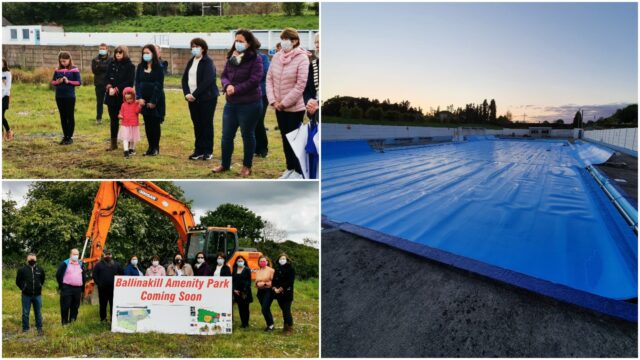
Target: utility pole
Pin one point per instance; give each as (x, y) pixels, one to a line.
(524, 117)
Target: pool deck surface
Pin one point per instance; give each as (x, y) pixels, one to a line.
(378, 301)
(629, 173)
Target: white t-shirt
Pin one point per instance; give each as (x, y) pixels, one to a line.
(217, 272)
(193, 73)
(6, 83)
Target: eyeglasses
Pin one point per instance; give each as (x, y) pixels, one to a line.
(119, 52)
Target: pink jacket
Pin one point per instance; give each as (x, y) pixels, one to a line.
(128, 111)
(156, 271)
(287, 78)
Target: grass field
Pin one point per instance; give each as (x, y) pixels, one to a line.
(200, 23)
(87, 337)
(340, 120)
(35, 153)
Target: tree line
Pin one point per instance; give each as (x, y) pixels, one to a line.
(106, 12)
(55, 218)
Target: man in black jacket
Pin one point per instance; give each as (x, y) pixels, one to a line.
(104, 276)
(99, 68)
(30, 279)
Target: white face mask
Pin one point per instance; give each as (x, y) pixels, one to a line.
(74, 257)
(240, 263)
(134, 262)
(200, 261)
(282, 261)
(155, 263)
(220, 262)
(286, 45)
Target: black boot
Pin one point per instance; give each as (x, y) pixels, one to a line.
(114, 144)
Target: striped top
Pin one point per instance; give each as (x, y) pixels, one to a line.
(66, 90)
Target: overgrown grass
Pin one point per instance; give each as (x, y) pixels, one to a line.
(200, 23)
(35, 153)
(87, 337)
(340, 120)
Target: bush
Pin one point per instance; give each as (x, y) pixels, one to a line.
(374, 113)
(345, 111)
(42, 75)
(293, 8)
(355, 113)
(391, 115)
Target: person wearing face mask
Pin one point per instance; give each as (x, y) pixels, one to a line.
(70, 283)
(179, 267)
(155, 269)
(201, 267)
(133, 268)
(264, 279)
(201, 93)
(242, 289)
(30, 280)
(149, 85)
(120, 75)
(286, 80)
(221, 268)
(241, 83)
(283, 280)
(99, 67)
(310, 94)
(104, 274)
(66, 78)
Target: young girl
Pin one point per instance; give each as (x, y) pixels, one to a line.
(65, 80)
(6, 92)
(129, 132)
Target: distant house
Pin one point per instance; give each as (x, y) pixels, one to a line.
(540, 131)
(25, 34)
(444, 116)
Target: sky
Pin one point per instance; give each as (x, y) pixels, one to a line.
(544, 60)
(292, 206)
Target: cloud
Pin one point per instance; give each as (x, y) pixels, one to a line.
(15, 190)
(567, 112)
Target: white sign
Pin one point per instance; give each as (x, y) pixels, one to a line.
(195, 305)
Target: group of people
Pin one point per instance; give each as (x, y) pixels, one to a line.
(272, 283)
(250, 81)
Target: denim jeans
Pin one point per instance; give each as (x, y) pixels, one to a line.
(246, 117)
(265, 297)
(26, 308)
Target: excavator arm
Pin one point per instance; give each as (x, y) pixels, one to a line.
(146, 191)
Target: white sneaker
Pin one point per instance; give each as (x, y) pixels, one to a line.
(286, 174)
(295, 175)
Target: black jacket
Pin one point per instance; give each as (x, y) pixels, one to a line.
(242, 282)
(150, 87)
(63, 268)
(104, 273)
(206, 88)
(30, 280)
(99, 67)
(120, 75)
(225, 271)
(203, 270)
(284, 277)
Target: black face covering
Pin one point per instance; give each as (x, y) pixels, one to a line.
(107, 258)
(31, 262)
(177, 261)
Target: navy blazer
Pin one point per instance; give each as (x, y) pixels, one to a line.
(206, 88)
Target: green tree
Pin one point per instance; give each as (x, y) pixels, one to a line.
(492, 111)
(355, 113)
(374, 113)
(11, 247)
(249, 224)
(559, 122)
(577, 119)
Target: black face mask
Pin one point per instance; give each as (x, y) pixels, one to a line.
(31, 262)
(107, 258)
(177, 261)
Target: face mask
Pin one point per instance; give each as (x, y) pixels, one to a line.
(286, 45)
(220, 262)
(102, 52)
(200, 261)
(282, 261)
(196, 51)
(177, 261)
(240, 263)
(74, 257)
(155, 263)
(147, 57)
(134, 262)
(107, 258)
(262, 263)
(31, 262)
(240, 46)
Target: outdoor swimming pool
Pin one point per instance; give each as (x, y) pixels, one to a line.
(521, 211)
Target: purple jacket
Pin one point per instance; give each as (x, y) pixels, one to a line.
(245, 78)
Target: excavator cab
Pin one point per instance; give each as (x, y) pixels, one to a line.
(211, 241)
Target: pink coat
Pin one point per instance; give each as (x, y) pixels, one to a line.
(287, 78)
(128, 111)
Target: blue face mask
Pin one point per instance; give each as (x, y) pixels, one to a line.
(147, 57)
(196, 51)
(102, 52)
(240, 46)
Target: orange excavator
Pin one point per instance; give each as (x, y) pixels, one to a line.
(191, 238)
